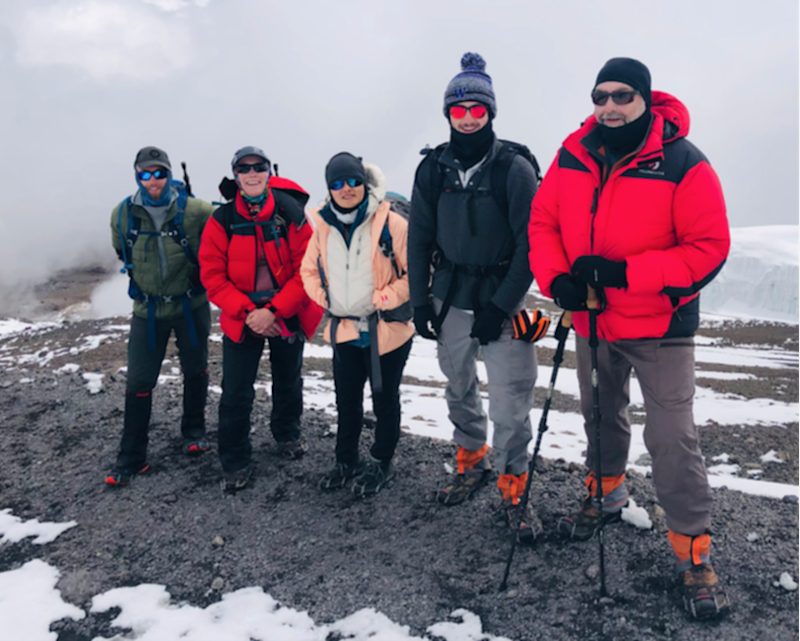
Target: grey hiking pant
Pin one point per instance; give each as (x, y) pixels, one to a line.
(511, 370)
(665, 370)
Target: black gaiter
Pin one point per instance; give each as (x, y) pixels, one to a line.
(471, 148)
(621, 141)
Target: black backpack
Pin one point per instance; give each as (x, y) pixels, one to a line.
(500, 167)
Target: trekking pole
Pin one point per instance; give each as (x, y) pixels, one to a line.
(561, 333)
(186, 180)
(592, 304)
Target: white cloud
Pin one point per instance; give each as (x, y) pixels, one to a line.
(107, 40)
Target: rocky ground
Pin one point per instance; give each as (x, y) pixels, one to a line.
(400, 552)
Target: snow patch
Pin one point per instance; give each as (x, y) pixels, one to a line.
(771, 457)
(69, 368)
(29, 602)
(13, 529)
(636, 516)
(786, 582)
(94, 382)
(249, 614)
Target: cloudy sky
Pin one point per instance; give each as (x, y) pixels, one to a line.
(88, 82)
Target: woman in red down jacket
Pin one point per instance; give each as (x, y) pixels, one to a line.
(250, 259)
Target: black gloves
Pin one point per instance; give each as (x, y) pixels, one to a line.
(598, 272)
(530, 328)
(569, 293)
(488, 324)
(425, 321)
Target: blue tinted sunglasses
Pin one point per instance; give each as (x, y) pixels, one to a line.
(158, 174)
(336, 185)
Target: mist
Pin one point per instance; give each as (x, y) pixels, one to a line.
(87, 83)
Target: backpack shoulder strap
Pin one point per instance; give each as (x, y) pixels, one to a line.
(387, 247)
(430, 173)
(501, 166)
(224, 215)
(177, 231)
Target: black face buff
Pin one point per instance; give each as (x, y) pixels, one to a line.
(471, 148)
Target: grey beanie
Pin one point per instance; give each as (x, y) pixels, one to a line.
(473, 83)
(344, 165)
(152, 156)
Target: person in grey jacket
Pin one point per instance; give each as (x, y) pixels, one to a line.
(468, 275)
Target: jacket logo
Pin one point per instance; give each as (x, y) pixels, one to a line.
(651, 168)
(460, 92)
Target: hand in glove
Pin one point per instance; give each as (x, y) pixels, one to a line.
(597, 272)
(425, 321)
(530, 328)
(488, 324)
(569, 293)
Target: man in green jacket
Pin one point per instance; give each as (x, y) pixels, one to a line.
(156, 233)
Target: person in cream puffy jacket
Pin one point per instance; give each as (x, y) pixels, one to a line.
(355, 267)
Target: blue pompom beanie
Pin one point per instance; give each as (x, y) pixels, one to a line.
(473, 83)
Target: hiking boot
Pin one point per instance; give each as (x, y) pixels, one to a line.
(463, 486)
(234, 481)
(373, 478)
(703, 596)
(292, 450)
(582, 525)
(195, 447)
(120, 476)
(527, 524)
(337, 478)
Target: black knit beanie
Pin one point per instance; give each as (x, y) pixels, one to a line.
(344, 165)
(631, 72)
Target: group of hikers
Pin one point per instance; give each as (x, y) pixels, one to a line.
(628, 224)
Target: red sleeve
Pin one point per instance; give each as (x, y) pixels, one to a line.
(703, 235)
(213, 259)
(290, 300)
(546, 254)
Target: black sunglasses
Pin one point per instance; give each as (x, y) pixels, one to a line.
(620, 97)
(158, 174)
(246, 169)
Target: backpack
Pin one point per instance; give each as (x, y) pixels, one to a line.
(500, 167)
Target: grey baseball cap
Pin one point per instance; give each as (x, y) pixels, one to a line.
(150, 156)
(250, 150)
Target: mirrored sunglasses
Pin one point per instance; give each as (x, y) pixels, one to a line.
(336, 185)
(246, 169)
(459, 111)
(620, 97)
(158, 174)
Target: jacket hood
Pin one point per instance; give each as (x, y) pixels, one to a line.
(669, 112)
(376, 186)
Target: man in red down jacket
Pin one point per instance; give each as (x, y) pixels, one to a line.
(250, 258)
(633, 209)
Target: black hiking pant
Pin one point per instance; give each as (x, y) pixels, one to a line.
(143, 370)
(351, 369)
(239, 369)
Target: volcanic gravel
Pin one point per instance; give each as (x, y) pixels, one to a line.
(332, 553)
